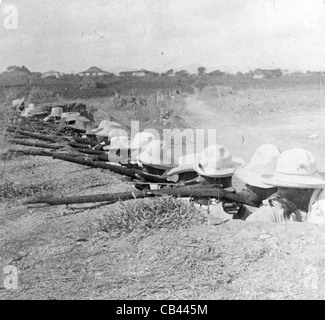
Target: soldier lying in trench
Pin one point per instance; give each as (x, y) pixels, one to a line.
(263, 162)
(300, 196)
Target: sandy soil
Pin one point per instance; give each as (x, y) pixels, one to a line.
(244, 132)
(60, 254)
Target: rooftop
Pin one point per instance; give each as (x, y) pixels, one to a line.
(93, 70)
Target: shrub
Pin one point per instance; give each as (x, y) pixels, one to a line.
(38, 95)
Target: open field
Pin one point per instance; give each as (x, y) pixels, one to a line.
(75, 87)
(87, 252)
(285, 117)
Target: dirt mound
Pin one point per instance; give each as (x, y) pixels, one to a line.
(236, 260)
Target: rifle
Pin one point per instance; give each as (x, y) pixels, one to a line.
(34, 135)
(192, 192)
(129, 172)
(79, 147)
(53, 138)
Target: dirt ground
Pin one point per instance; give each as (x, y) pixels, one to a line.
(61, 253)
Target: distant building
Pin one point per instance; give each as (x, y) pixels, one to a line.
(285, 72)
(313, 73)
(216, 73)
(275, 73)
(258, 74)
(296, 74)
(261, 74)
(93, 72)
(136, 73)
(52, 73)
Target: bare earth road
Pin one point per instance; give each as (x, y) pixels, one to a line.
(243, 132)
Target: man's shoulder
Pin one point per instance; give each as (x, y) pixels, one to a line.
(263, 213)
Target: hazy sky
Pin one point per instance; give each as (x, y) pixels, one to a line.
(72, 35)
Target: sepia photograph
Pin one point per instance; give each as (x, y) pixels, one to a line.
(162, 150)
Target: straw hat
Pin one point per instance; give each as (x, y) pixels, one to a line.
(185, 164)
(110, 130)
(154, 153)
(137, 143)
(80, 124)
(105, 124)
(18, 104)
(70, 116)
(113, 132)
(89, 129)
(28, 111)
(263, 162)
(118, 142)
(31, 111)
(56, 112)
(141, 139)
(296, 168)
(216, 161)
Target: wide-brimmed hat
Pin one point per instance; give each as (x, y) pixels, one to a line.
(118, 142)
(28, 111)
(56, 112)
(216, 161)
(38, 110)
(111, 132)
(80, 124)
(31, 111)
(154, 153)
(296, 168)
(137, 143)
(70, 116)
(89, 129)
(106, 124)
(17, 102)
(185, 164)
(263, 162)
(141, 139)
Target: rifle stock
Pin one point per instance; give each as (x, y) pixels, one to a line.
(184, 192)
(129, 172)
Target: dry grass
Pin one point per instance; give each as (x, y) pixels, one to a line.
(40, 95)
(150, 215)
(165, 114)
(8, 95)
(11, 189)
(256, 101)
